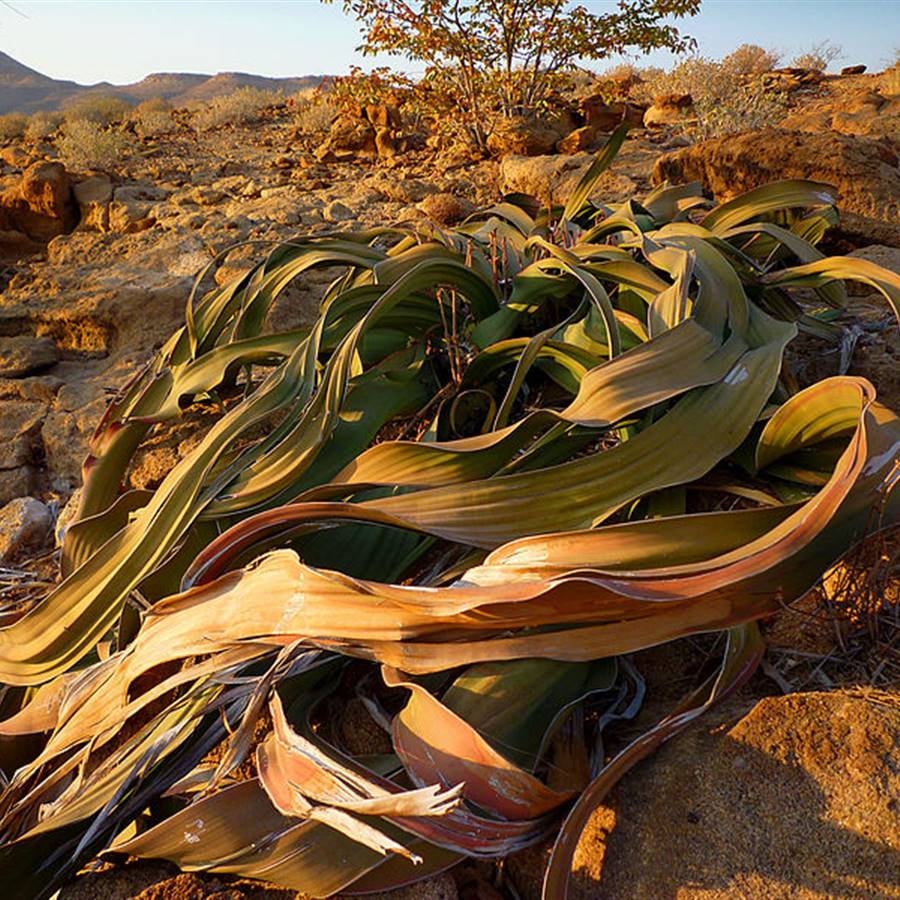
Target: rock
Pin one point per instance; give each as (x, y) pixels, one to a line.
(668, 109)
(16, 156)
(587, 137)
(853, 70)
(66, 517)
(386, 144)
(93, 196)
(446, 209)
(20, 425)
(864, 171)
(522, 136)
(130, 209)
(25, 354)
(886, 257)
(399, 190)
(349, 137)
(553, 178)
(24, 525)
(878, 117)
(790, 78)
(67, 430)
(337, 212)
(41, 204)
(208, 195)
(17, 482)
(14, 245)
(606, 117)
(820, 769)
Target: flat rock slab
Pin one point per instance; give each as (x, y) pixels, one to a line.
(22, 355)
(799, 798)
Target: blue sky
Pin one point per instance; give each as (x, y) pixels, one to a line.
(124, 41)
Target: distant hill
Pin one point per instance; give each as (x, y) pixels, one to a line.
(24, 90)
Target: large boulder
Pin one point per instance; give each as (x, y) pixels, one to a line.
(553, 178)
(40, 204)
(865, 172)
(93, 196)
(350, 136)
(523, 136)
(604, 116)
(796, 799)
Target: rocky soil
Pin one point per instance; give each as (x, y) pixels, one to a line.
(791, 796)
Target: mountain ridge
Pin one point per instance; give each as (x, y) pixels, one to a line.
(25, 90)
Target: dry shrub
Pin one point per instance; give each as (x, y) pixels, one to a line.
(99, 109)
(312, 115)
(12, 125)
(724, 103)
(819, 57)
(866, 583)
(751, 59)
(243, 105)
(88, 145)
(153, 117)
(43, 125)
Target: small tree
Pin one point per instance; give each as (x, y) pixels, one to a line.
(819, 56)
(750, 59)
(486, 58)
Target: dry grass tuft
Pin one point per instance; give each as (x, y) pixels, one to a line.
(848, 631)
(724, 102)
(153, 117)
(312, 115)
(99, 109)
(12, 126)
(241, 106)
(751, 59)
(43, 125)
(87, 145)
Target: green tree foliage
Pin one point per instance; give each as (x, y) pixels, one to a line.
(488, 56)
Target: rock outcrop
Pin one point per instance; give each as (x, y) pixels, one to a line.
(797, 798)
(864, 171)
(39, 204)
(553, 178)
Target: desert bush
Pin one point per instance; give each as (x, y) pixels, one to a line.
(42, 125)
(240, 106)
(818, 57)
(100, 109)
(89, 145)
(486, 61)
(503, 459)
(12, 125)
(312, 115)
(750, 59)
(153, 116)
(723, 102)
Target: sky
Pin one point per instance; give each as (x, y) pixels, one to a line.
(122, 41)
